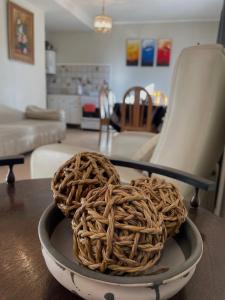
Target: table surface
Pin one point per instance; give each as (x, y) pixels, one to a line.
(23, 274)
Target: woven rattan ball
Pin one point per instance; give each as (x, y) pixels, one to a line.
(118, 230)
(166, 198)
(76, 177)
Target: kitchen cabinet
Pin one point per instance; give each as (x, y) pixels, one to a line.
(71, 104)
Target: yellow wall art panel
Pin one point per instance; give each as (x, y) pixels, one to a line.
(133, 51)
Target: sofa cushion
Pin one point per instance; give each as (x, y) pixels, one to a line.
(14, 140)
(35, 112)
(26, 135)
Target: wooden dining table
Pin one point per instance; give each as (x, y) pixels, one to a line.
(24, 275)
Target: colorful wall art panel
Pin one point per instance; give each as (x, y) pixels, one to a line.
(133, 51)
(147, 52)
(164, 52)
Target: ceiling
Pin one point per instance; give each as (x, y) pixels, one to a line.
(78, 15)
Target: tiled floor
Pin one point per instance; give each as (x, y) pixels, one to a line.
(76, 137)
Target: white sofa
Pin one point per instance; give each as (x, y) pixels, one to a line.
(19, 133)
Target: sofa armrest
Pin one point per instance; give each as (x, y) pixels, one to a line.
(35, 112)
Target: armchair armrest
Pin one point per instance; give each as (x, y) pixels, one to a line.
(11, 161)
(193, 180)
(35, 112)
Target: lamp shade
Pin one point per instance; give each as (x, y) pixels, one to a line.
(103, 23)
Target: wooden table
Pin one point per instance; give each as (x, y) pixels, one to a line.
(23, 274)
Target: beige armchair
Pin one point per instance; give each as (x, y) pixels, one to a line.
(192, 137)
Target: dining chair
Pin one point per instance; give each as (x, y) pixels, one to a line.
(136, 110)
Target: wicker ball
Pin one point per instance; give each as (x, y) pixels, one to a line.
(167, 199)
(76, 177)
(118, 230)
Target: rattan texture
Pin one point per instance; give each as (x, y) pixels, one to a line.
(76, 177)
(118, 230)
(166, 198)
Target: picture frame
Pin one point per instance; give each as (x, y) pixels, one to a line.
(20, 33)
(132, 52)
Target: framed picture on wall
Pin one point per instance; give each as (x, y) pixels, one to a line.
(132, 52)
(147, 52)
(164, 52)
(20, 33)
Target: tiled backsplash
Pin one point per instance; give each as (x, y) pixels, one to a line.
(78, 79)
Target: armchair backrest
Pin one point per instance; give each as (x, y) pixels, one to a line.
(193, 134)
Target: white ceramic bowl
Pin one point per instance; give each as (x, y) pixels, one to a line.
(177, 264)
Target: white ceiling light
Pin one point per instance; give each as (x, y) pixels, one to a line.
(102, 22)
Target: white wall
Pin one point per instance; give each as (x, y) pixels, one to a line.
(22, 84)
(91, 47)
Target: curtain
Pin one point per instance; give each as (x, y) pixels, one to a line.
(221, 32)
